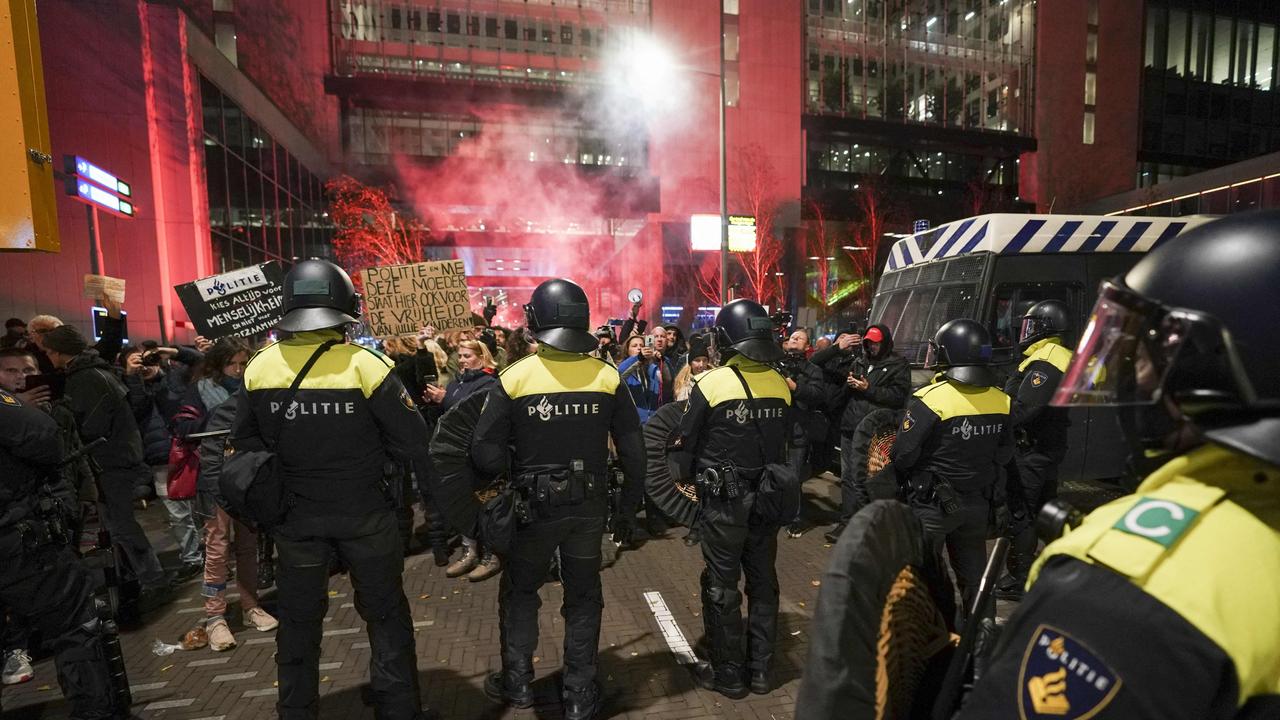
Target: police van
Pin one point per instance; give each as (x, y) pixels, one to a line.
(992, 268)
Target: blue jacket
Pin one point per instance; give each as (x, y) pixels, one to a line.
(646, 386)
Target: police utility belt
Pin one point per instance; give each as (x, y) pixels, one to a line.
(46, 526)
(725, 481)
(541, 493)
(927, 489)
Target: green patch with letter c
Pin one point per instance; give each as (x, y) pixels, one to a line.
(1160, 521)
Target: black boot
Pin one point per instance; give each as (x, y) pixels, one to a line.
(833, 535)
(581, 704)
(761, 683)
(500, 687)
(1010, 588)
(725, 678)
(441, 554)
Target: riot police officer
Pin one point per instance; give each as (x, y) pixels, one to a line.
(1166, 603)
(1040, 430)
(332, 437)
(954, 438)
(737, 422)
(40, 577)
(547, 424)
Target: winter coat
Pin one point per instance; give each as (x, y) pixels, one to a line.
(144, 397)
(889, 378)
(101, 407)
(645, 384)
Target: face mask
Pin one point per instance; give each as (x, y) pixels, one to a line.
(231, 384)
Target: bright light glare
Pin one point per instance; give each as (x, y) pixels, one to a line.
(645, 66)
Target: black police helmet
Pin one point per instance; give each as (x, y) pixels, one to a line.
(1184, 326)
(1045, 319)
(744, 326)
(558, 316)
(318, 295)
(961, 349)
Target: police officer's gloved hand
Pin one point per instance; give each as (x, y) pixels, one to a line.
(624, 529)
(1002, 521)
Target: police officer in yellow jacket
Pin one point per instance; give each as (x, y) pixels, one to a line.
(954, 438)
(546, 425)
(1040, 430)
(1166, 603)
(349, 415)
(736, 422)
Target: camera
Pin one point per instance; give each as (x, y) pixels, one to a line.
(151, 359)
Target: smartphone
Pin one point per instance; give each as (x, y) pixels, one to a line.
(648, 341)
(57, 384)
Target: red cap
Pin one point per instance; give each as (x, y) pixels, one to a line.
(874, 335)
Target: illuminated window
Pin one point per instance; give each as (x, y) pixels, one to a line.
(1088, 128)
(730, 42)
(1091, 47)
(731, 87)
(1090, 88)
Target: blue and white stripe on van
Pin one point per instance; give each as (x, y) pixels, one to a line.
(1010, 234)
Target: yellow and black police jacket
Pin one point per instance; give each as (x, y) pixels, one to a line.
(349, 416)
(552, 408)
(1162, 604)
(719, 425)
(1032, 387)
(955, 432)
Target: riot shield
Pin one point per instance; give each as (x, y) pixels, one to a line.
(872, 441)
(673, 495)
(879, 645)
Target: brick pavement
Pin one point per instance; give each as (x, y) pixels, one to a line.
(457, 643)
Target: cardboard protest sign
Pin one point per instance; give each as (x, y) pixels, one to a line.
(242, 302)
(104, 286)
(401, 299)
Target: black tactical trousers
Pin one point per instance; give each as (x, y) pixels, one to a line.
(736, 542)
(118, 515)
(1038, 482)
(54, 592)
(525, 571)
(964, 535)
(369, 546)
(438, 533)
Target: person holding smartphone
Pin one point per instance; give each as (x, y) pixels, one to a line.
(877, 378)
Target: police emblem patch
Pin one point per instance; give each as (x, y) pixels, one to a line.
(1038, 378)
(1061, 678)
(406, 400)
(908, 422)
(8, 399)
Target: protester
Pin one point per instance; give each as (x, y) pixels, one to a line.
(98, 401)
(217, 381)
(647, 373)
(37, 328)
(15, 334)
(809, 424)
(478, 562)
(143, 376)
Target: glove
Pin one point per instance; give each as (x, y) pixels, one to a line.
(1002, 521)
(624, 529)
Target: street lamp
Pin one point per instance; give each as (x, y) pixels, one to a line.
(648, 66)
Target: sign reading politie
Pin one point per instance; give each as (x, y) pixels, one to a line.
(402, 299)
(242, 302)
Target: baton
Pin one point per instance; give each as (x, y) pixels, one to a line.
(949, 697)
(208, 434)
(84, 450)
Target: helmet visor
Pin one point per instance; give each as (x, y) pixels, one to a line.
(1134, 350)
(934, 356)
(1034, 327)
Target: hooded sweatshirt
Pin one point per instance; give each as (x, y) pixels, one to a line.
(889, 383)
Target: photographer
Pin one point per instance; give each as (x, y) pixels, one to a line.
(878, 378)
(646, 373)
(804, 379)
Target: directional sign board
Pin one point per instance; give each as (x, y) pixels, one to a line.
(76, 165)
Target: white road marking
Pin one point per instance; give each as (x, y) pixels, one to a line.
(676, 641)
(258, 693)
(234, 676)
(330, 666)
(148, 686)
(167, 704)
(214, 661)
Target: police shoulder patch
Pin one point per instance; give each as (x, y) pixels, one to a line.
(7, 399)
(1062, 678)
(1038, 378)
(908, 422)
(406, 400)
